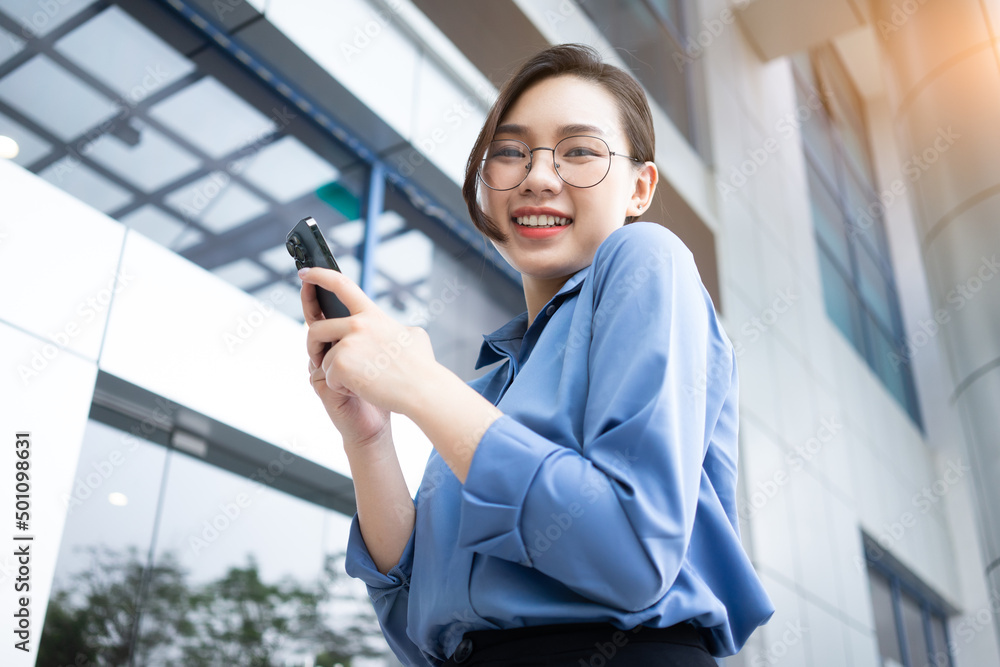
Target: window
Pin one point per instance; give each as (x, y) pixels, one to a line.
(910, 619)
(661, 54)
(858, 286)
(195, 149)
(177, 551)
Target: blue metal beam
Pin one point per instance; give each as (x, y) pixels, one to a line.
(427, 204)
(376, 198)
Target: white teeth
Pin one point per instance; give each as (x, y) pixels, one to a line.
(541, 220)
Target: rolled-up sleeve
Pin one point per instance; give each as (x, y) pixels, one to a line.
(612, 519)
(389, 593)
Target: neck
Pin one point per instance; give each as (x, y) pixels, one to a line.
(538, 292)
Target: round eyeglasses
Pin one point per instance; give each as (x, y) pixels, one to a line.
(581, 161)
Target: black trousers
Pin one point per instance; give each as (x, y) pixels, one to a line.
(583, 645)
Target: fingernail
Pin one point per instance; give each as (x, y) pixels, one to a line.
(303, 271)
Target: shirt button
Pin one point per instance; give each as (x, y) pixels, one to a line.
(463, 651)
(550, 310)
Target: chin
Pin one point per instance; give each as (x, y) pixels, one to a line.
(552, 270)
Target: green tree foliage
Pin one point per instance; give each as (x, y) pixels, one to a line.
(117, 608)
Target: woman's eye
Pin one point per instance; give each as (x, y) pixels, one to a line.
(580, 151)
(508, 152)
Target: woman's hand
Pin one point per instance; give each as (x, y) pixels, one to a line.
(362, 366)
(376, 365)
(359, 422)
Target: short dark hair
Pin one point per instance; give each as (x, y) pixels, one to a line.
(577, 60)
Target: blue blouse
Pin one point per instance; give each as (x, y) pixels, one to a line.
(606, 491)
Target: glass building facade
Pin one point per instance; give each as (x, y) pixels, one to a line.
(858, 284)
(206, 158)
(195, 534)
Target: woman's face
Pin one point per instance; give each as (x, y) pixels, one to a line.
(545, 113)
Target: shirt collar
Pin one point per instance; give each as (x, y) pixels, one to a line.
(515, 329)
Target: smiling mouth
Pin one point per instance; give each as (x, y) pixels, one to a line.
(542, 221)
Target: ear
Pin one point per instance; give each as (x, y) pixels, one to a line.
(645, 187)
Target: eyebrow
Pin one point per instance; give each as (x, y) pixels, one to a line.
(565, 130)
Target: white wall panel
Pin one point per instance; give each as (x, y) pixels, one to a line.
(363, 48)
(447, 119)
(54, 409)
(764, 506)
(58, 262)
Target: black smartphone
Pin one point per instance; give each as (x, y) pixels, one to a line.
(306, 245)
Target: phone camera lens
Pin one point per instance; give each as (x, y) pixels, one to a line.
(295, 248)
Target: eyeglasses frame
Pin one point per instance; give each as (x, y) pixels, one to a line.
(531, 162)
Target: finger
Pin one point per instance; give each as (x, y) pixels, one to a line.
(346, 290)
(320, 379)
(320, 382)
(310, 304)
(323, 335)
(316, 375)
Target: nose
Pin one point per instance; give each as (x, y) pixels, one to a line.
(542, 175)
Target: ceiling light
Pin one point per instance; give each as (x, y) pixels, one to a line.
(8, 148)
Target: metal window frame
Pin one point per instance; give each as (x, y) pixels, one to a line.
(901, 581)
(133, 409)
(695, 133)
(833, 179)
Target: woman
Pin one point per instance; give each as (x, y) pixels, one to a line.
(579, 506)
